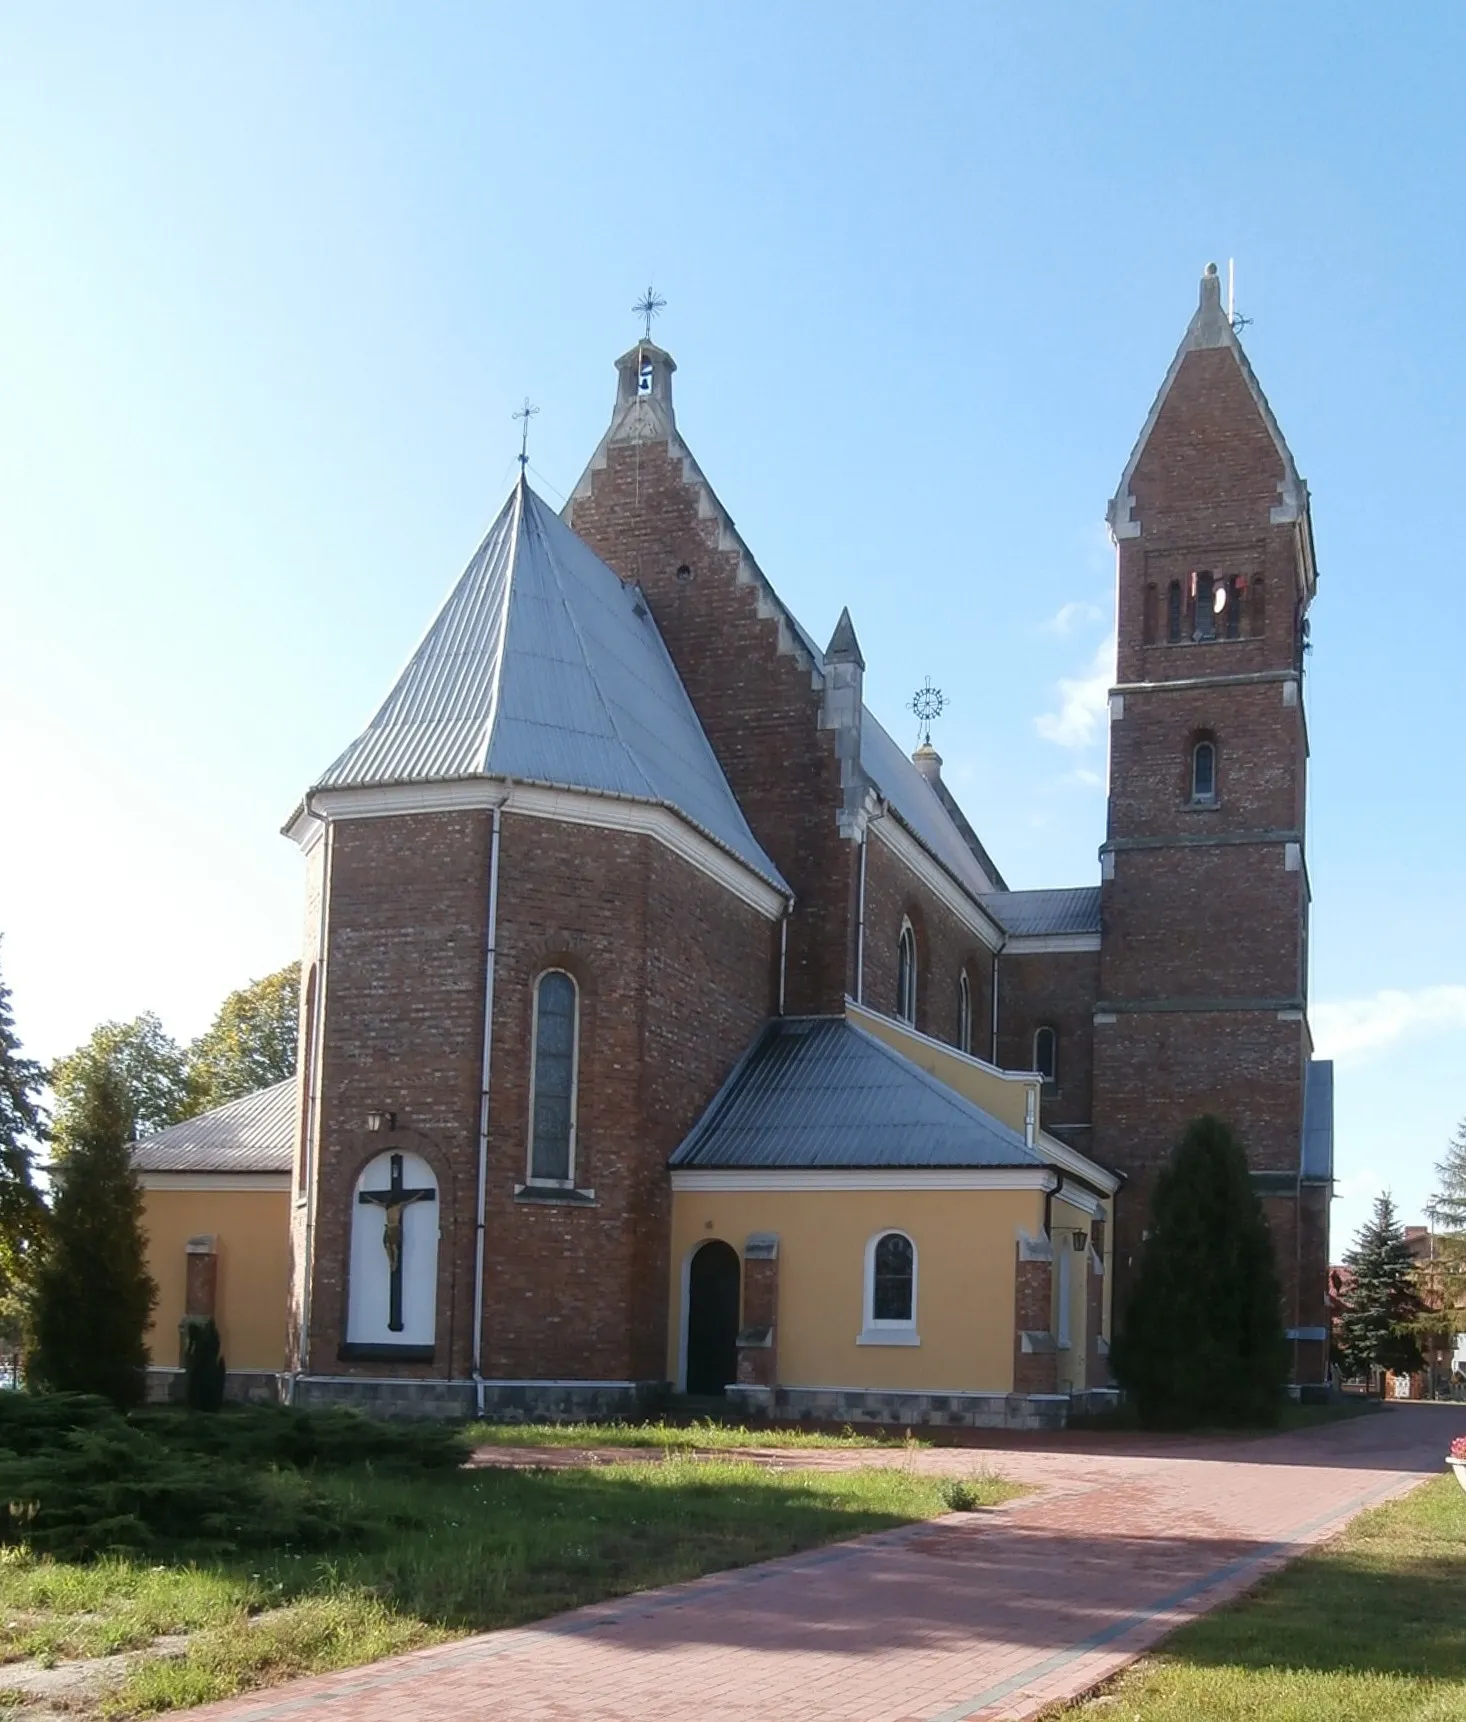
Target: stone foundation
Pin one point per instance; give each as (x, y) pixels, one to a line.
(503, 1401)
(907, 1410)
(241, 1386)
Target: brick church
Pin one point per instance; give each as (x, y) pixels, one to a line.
(666, 1026)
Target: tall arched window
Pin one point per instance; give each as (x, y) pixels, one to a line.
(906, 975)
(1173, 611)
(1046, 1053)
(1204, 771)
(964, 1013)
(890, 1291)
(553, 1064)
(1204, 612)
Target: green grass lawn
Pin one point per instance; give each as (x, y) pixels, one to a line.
(1369, 1628)
(419, 1556)
(703, 1435)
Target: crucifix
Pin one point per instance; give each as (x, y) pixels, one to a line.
(526, 412)
(394, 1202)
(647, 307)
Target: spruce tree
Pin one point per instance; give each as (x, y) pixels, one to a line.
(1448, 1205)
(1382, 1308)
(22, 1126)
(93, 1294)
(1202, 1339)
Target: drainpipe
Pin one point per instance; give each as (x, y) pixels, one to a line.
(860, 922)
(995, 1007)
(310, 1148)
(481, 1197)
(784, 948)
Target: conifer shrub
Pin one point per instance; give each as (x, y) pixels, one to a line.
(1202, 1339)
(203, 1366)
(328, 1439)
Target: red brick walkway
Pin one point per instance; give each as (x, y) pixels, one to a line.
(971, 1616)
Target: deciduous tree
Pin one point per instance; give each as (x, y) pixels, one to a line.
(251, 1042)
(149, 1066)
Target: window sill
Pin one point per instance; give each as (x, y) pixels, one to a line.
(554, 1195)
(888, 1336)
(374, 1351)
(1212, 806)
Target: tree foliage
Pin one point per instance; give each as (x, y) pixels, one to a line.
(1448, 1205)
(251, 1042)
(1202, 1340)
(22, 1127)
(1382, 1307)
(93, 1294)
(203, 1366)
(148, 1066)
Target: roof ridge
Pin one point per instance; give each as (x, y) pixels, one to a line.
(496, 680)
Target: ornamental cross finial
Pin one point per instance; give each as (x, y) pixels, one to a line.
(928, 702)
(647, 307)
(525, 414)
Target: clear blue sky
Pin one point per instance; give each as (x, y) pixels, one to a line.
(275, 278)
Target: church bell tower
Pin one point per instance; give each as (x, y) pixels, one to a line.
(1205, 892)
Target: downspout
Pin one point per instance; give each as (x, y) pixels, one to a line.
(995, 1008)
(310, 1148)
(481, 1196)
(784, 947)
(860, 921)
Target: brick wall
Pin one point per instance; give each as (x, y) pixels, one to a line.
(674, 977)
(1033, 1298)
(752, 686)
(1056, 990)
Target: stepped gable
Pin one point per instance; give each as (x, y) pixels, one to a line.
(544, 667)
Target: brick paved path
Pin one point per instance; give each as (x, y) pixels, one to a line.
(970, 1616)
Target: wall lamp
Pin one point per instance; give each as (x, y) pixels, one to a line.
(379, 1121)
(1080, 1240)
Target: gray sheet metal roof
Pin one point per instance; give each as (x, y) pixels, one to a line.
(918, 805)
(1020, 913)
(1318, 1121)
(543, 666)
(256, 1134)
(818, 1092)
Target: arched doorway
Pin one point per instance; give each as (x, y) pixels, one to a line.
(712, 1317)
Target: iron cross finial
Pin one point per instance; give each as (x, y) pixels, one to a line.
(928, 702)
(649, 306)
(525, 413)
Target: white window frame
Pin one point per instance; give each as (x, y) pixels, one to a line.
(964, 1013)
(1051, 1076)
(1198, 799)
(906, 996)
(873, 1332)
(568, 1182)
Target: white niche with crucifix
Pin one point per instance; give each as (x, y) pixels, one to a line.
(392, 1292)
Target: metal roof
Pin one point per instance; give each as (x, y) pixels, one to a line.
(255, 1134)
(1027, 913)
(818, 1092)
(1317, 1160)
(544, 667)
(918, 805)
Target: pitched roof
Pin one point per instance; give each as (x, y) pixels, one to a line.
(1020, 913)
(819, 1092)
(543, 666)
(255, 1134)
(920, 808)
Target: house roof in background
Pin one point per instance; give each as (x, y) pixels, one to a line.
(821, 1093)
(255, 1134)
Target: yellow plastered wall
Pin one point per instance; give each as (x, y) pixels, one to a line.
(965, 1252)
(252, 1233)
(1001, 1095)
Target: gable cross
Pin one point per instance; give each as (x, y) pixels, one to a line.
(394, 1201)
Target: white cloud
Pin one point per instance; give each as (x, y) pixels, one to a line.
(1082, 703)
(1071, 616)
(1351, 1029)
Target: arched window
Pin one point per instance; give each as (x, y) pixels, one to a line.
(890, 1290)
(392, 1288)
(1204, 611)
(1148, 618)
(1173, 611)
(553, 1068)
(964, 1013)
(1046, 1053)
(906, 975)
(1204, 772)
(1259, 608)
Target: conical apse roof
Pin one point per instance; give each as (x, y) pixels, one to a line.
(544, 667)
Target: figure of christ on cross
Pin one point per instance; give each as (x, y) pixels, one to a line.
(394, 1202)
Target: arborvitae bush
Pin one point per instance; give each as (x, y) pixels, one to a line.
(1202, 1339)
(203, 1366)
(93, 1295)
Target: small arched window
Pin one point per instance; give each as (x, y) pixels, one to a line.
(906, 975)
(890, 1290)
(1173, 611)
(1204, 772)
(964, 1013)
(554, 1053)
(1046, 1053)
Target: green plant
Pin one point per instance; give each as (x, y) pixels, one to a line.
(1381, 1307)
(1202, 1339)
(959, 1495)
(203, 1366)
